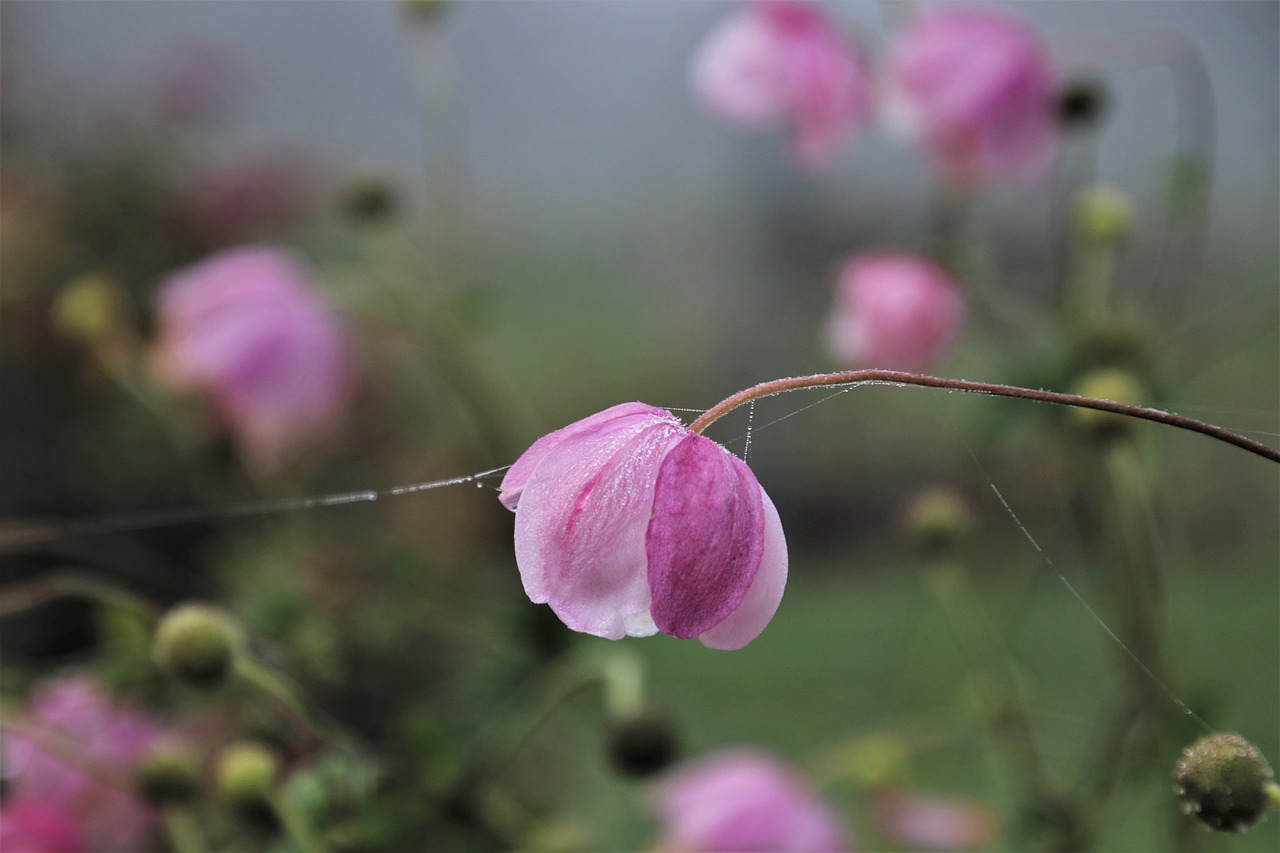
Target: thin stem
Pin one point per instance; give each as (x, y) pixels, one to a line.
(874, 376)
(184, 832)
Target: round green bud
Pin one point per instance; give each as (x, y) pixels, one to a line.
(1222, 781)
(89, 308)
(938, 521)
(246, 773)
(1102, 214)
(197, 645)
(1107, 383)
(369, 199)
(169, 775)
(642, 744)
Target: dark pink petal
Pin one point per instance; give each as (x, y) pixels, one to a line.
(757, 609)
(705, 539)
(513, 483)
(581, 519)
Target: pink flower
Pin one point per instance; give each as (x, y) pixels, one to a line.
(743, 800)
(246, 328)
(628, 523)
(895, 311)
(784, 63)
(31, 826)
(978, 86)
(930, 823)
(76, 759)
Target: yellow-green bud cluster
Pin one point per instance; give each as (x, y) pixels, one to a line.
(169, 775)
(246, 773)
(1102, 215)
(939, 521)
(1107, 383)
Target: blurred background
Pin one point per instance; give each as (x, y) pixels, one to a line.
(522, 213)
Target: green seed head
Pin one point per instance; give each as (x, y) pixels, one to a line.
(1222, 782)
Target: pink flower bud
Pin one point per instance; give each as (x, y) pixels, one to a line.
(894, 311)
(246, 328)
(784, 64)
(628, 523)
(744, 800)
(77, 758)
(978, 87)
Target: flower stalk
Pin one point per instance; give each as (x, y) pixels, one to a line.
(873, 376)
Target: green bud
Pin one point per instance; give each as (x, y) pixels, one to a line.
(89, 309)
(939, 520)
(246, 773)
(197, 644)
(642, 744)
(169, 775)
(1222, 781)
(1102, 214)
(369, 199)
(1107, 383)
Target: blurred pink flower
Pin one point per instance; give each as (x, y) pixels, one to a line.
(75, 761)
(627, 523)
(931, 823)
(785, 63)
(895, 311)
(30, 826)
(194, 78)
(232, 204)
(246, 328)
(744, 800)
(978, 86)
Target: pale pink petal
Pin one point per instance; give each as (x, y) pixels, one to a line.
(933, 823)
(736, 73)
(762, 600)
(516, 477)
(581, 521)
(705, 537)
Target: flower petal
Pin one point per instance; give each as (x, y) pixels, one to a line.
(514, 481)
(583, 510)
(757, 609)
(706, 537)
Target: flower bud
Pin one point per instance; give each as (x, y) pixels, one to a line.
(246, 773)
(1082, 103)
(1222, 781)
(369, 199)
(1107, 384)
(197, 645)
(169, 775)
(88, 309)
(1102, 215)
(642, 744)
(938, 521)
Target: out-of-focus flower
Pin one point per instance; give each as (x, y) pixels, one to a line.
(195, 79)
(785, 64)
(224, 206)
(31, 826)
(744, 800)
(628, 523)
(246, 328)
(977, 85)
(895, 311)
(76, 758)
(932, 823)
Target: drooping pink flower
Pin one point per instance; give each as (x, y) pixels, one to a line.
(978, 86)
(744, 800)
(628, 523)
(31, 826)
(76, 760)
(932, 823)
(895, 311)
(246, 328)
(785, 64)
